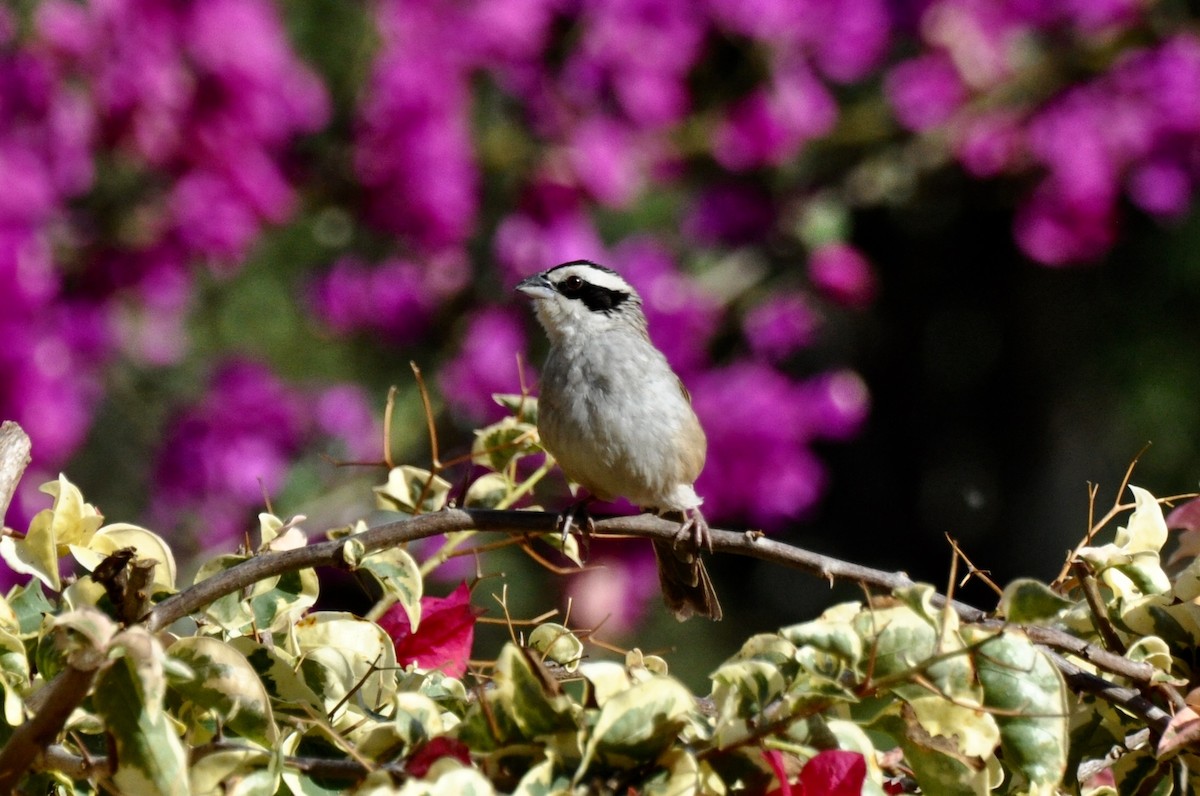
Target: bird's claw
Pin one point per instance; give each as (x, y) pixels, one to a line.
(695, 530)
(577, 517)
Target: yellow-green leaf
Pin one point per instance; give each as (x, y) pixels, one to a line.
(225, 682)
(148, 544)
(129, 694)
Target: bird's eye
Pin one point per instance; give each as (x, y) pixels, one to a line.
(572, 284)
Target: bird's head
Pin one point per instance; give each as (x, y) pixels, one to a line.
(581, 297)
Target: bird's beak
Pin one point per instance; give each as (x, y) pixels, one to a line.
(536, 286)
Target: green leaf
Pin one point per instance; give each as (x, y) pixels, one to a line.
(231, 613)
(14, 677)
(237, 772)
(971, 729)
(636, 726)
(30, 604)
(224, 681)
(542, 780)
(276, 670)
(69, 521)
(937, 763)
(83, 636)
(1152, 650)
(353, 654)
(399, 576)
(1131, 565)
(535, 703)
(487, 491)
(524, 407)
(832, 634)
(411, 490)
(606, 678)
(278, 535)
(678, 772)
(555, 642)
(37, 553)
(413, 719)
(743, 688)
(1026, 601)
(129, 693)
(1031, 697)
(499, 444)
(277, 603)
(898, 636)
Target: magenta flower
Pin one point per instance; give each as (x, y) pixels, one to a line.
(760, 467)
(989, 144)
(925, 91)
(729, 214)
(770, 125)
(222, 455)
(413, 151)
(396, 298)
(608, 160)
(638, 51)
(841, 272)
(781, 326)
(552, 227)
(486, 363)
(681, 316)
(343, 413)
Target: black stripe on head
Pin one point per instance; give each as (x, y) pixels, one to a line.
(596, 298)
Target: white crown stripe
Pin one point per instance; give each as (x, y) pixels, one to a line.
(594, 276)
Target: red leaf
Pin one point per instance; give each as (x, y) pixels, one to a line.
(1185, 516)
(427, 754)
(834, 773)
(443, 639)
(774, 759)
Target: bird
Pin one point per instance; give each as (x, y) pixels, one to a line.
(619, 421)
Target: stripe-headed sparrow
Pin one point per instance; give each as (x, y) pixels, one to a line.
(617, 418)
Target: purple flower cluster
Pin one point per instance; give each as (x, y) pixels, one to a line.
(1133, 130)
(201, 102)
(207, 95)
(396, 298)
(1129, 132)
(222, 456)
(53, 342)
(486, 364)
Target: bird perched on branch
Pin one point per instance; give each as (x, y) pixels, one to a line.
(618, 420)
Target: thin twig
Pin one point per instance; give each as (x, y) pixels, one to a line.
(66, 691)
(427, 406)
(1091, 593)
(972, 570)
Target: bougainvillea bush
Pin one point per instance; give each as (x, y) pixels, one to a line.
(119, 676)
(222, 218)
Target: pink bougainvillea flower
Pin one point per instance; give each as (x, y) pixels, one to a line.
(833, 772)
(443, 638)
(427, 754)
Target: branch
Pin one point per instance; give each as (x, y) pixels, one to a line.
(28, 740)
(754, 545)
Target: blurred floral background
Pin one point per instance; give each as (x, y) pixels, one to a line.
(927, 266)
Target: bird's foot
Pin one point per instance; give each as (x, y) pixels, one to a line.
(695, 530)
(578, 517)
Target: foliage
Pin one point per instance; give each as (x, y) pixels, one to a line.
(259, 692)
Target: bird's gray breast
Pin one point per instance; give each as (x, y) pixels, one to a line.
(612, 414)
